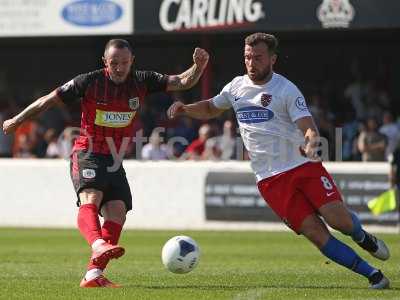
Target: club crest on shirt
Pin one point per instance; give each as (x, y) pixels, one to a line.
(134, 103)
(301, 104)
(88, 173)
(266, 99)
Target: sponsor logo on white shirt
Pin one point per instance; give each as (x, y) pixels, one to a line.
(254, 114)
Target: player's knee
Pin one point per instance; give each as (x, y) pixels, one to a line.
(114, 211)
(91, 196)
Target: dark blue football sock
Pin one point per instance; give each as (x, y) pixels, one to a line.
(345, 256)
(358, 233)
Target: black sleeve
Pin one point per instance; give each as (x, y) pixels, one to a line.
(153, 81)
(75, 88)
(395, 161)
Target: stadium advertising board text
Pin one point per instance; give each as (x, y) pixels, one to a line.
(22, 18)
(235, 197)
(179, 16)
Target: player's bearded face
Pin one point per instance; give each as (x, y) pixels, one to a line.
(118, 63)
(258, 62)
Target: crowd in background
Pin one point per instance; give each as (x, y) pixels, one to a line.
(363, 111)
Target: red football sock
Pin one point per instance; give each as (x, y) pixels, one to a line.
(89, 223)
(110, 232)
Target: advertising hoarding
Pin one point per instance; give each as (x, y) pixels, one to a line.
(25, 18)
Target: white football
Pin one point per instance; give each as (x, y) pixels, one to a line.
(180, 254)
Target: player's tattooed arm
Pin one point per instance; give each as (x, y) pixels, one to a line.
(186, 80)
(190, 77)
(31, 111)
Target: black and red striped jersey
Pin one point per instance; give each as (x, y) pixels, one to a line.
(108, 109)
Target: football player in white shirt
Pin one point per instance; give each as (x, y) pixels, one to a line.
(283, 143)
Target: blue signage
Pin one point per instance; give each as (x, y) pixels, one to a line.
(90, 13)
(254, 114)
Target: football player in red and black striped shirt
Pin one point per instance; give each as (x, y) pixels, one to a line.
(110, 99)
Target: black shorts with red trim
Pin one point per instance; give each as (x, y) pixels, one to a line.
(96, 171)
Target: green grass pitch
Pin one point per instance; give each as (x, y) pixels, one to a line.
(49, 264)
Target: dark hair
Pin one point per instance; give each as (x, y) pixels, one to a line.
(260, 37)
(119, 44)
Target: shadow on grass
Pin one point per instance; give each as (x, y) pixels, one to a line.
(246, 287)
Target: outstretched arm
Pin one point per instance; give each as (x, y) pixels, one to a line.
(202, 110)
(31, 111)
(190, 77)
